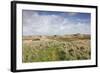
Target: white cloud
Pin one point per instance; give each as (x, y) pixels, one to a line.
(38, 24)
(72, 13)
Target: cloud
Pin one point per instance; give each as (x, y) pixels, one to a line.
(51, 24)
(72, 13)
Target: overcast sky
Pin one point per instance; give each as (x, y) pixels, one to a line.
(55, 23)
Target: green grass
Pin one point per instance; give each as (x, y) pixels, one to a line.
(41, 51)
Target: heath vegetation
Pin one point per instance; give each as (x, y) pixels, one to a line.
(56, 48)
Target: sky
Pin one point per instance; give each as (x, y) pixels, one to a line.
(55, 23)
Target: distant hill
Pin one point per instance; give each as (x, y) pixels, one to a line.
(58, 37)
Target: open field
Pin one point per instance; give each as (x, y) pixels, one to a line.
(56, 48)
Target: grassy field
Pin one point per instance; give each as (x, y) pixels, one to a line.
(56, 48)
